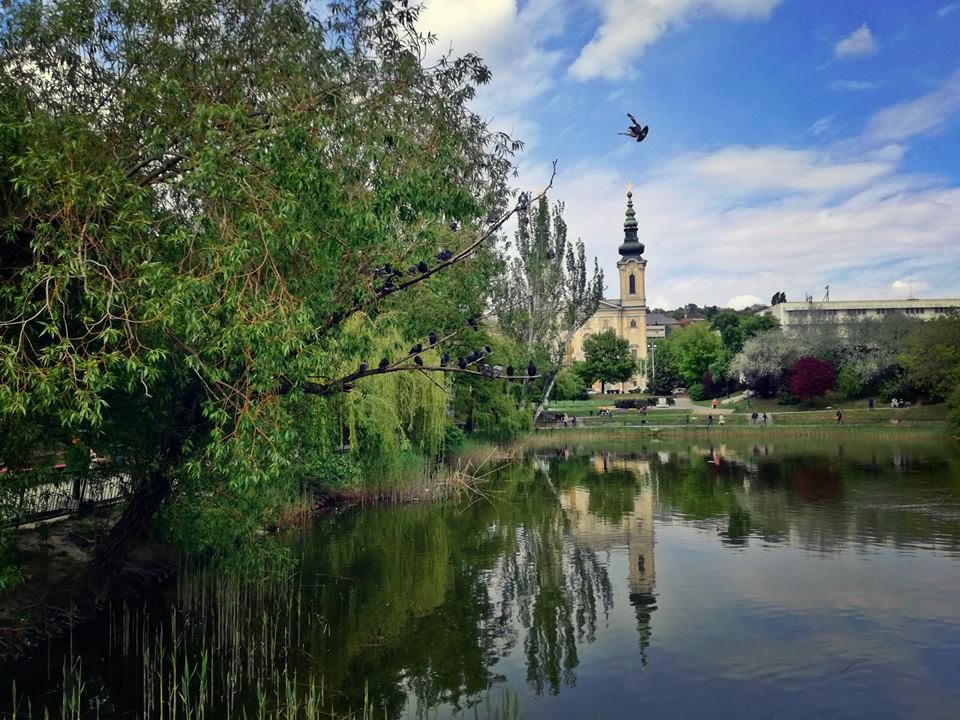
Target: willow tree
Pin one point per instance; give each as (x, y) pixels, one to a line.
(197, 197)
(547, 290)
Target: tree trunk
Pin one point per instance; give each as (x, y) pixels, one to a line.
(546, 396)
(113, 551)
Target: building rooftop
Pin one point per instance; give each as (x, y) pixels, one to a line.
(658, 318)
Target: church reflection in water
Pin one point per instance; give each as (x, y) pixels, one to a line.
(631, 477)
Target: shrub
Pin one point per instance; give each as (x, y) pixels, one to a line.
(453, 438)
(848, 384)
(696, 392)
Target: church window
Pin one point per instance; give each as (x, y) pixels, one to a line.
(633, 285)
(633, 324)
(633, 351)
(606, 323)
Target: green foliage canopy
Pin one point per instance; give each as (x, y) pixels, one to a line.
(607, 358)
(198, 198)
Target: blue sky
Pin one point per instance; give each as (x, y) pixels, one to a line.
(793, 143)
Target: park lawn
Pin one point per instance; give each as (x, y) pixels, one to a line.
(784, 415)
(583, 407)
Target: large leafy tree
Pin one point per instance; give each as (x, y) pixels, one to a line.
(812, 377)
(547, 290)
(607, 358)
(736, 327)
(763, 361)
(930, 356)
(694, 349)
(198, 200)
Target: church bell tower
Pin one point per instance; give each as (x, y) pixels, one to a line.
(633, 296)
(631, 265)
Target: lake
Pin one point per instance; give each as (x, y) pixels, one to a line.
(782, 579)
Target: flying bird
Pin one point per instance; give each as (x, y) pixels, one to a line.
(635, 131)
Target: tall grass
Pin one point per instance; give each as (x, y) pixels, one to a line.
(231, 644)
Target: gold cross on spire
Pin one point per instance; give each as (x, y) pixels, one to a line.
(629, 187)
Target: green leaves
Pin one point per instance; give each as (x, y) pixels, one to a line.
(607, 358)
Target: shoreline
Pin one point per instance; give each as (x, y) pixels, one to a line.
(45, 608)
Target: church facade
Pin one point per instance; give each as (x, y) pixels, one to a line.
(627, 315)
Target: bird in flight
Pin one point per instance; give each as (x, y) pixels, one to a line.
(635, 130)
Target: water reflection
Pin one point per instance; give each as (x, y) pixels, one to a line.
(609, 500)
(795, 578)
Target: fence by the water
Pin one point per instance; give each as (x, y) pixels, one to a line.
(60, 493)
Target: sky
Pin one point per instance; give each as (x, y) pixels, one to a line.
(793, 144)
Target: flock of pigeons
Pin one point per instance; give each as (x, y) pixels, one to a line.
(487, 370)
(389, 274)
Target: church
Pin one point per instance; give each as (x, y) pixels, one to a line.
(627, 315)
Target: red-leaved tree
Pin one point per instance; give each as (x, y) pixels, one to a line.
(811, 377)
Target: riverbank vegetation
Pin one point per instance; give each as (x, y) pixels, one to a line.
(247, 251)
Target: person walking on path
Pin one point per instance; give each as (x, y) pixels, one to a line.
(713, 403)
(753, 418)
(870, 403)
(839, 416)
(764, 419)
(721, 421)
(709, 420)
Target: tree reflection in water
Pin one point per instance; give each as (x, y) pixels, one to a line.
(415, 607)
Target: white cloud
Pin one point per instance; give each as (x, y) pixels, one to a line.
(628, 27)
(852, 85)
(823, 125)
(713, 229)
(661, 302)
(775, 169)
(512, 40)
(916, 116)
(857, 44)
(947, 9)
(908, 287)
(743, 301)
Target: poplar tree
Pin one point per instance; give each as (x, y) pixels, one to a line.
(547, 290)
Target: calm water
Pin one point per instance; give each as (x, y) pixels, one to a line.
(776, 580)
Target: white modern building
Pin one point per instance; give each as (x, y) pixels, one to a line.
(844, 312)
